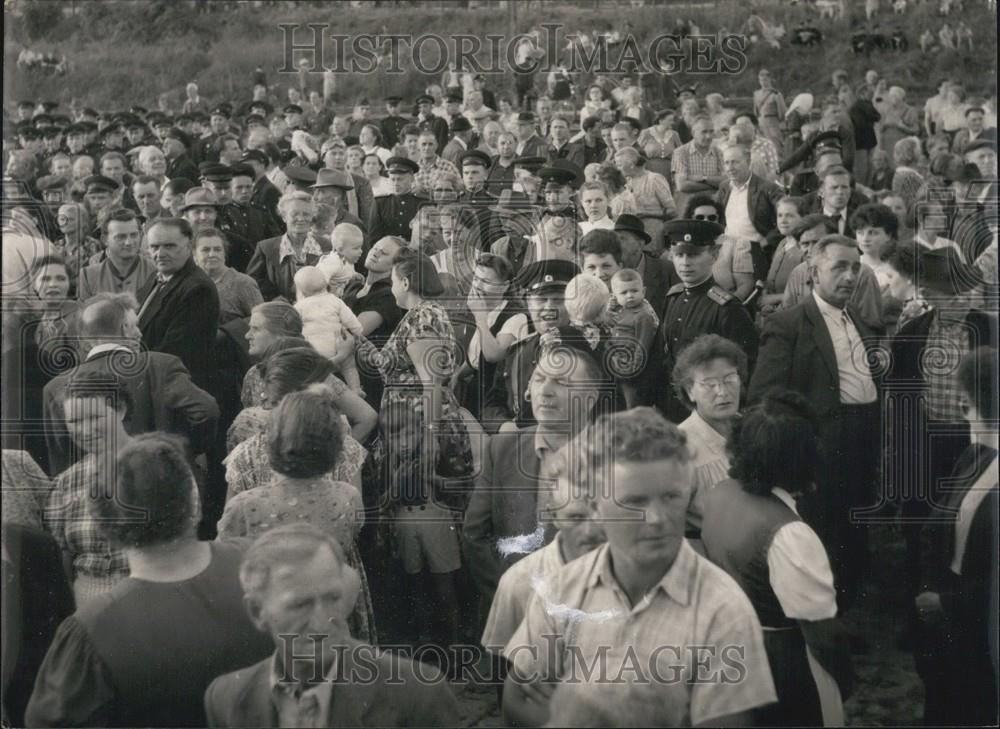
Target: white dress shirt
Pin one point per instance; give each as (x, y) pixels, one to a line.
(738, 222)
(856, 384)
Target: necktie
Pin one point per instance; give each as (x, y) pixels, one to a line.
(160, 284)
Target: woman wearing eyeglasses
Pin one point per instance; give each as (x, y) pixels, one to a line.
(708, 378)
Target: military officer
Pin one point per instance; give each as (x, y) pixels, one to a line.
(265, 194)
(475, 165)
(204, 149)
(301, 178)
(243, 227)
(697, 306)
(427, 119)
(392, 123)
(543, 284)
(259, 223)
(392, 214)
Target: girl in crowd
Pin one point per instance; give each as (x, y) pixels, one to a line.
(96, 406)
(372, 168)
(787, 254)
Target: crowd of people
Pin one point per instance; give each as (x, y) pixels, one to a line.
(308, 413)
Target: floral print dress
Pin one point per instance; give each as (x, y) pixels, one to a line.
(427, 321)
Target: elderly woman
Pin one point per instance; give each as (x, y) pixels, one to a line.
(499, 325)
(752, 530)
(277, 260)
(709, 376)
(418, 360)
(956, 608)
(75, 246)
(153, 162)
(372, 302)
(96, 406)
(144, 654)
(906, 180)
(238, 293)
(304, 440)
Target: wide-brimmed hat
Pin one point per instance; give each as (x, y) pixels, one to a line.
(333, 178)
(199, 197)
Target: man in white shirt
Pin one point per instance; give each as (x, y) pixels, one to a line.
(639, 604)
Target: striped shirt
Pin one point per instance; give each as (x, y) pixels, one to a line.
(652, 195)
(582, 620)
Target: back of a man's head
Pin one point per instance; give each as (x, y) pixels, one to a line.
(103, 317)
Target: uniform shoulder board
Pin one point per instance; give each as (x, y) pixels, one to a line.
(720, 296)
(675, 289)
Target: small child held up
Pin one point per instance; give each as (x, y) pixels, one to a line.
(633, 319)
(586, 303)
(338, 265)
(327, 323)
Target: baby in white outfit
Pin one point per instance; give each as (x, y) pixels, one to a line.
(327, 322)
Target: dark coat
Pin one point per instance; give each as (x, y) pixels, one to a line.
(386, 691)
(182, 320)
(163, 398)
(796, 352)
(504, 503)
(274, 276)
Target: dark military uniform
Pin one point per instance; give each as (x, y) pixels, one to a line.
(481, 201)
(437, 125)
(265, 198)
(243, 227)
(690, 312)
(391, 215)
(391, 127)
(182, 166)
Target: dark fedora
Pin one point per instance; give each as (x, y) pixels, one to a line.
(631, 224)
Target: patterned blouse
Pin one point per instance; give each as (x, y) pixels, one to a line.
(427, 321)
(68, 519)
(249, 466)
(26, 488)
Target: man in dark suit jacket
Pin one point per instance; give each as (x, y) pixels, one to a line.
(352, 683)
(179, 305)
(163, 395)
(836, 198)
(504, 504)
(816, 348)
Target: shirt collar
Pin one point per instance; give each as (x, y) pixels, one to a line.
(676, 583)
(741, 186)
(842, 214)
(712, 439)
(107, 347)
(309, 247)
(548, 442)
(291, 689)
(825, 307)
(785, 497)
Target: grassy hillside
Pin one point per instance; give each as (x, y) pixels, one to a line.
(123, 51)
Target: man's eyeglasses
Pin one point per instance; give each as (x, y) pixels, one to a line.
(728, 382)
(710, 218)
